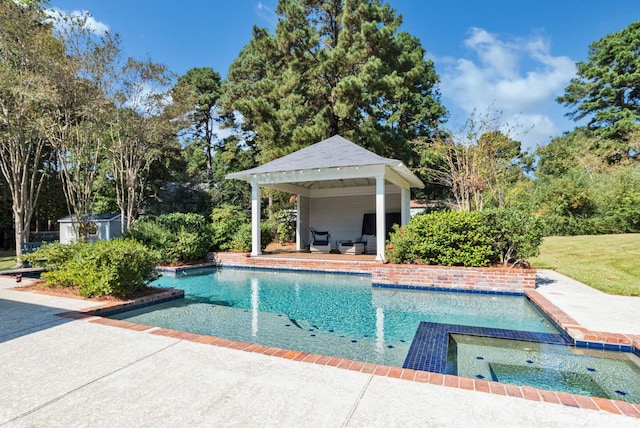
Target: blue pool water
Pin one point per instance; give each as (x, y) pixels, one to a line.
(328, 314)
(614, 375)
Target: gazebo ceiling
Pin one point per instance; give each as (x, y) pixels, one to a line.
(334, 163)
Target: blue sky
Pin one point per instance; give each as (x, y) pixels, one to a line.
(515, 56)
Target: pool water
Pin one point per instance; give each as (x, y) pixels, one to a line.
(328, 314)
(613, 375)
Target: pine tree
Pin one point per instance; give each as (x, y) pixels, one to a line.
(334, 67)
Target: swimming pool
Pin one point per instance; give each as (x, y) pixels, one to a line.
(329, 314)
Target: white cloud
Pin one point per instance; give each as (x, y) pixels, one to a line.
(266, 13)
(518, 77)
(90, 23)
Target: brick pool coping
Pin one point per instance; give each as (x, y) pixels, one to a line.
(571, 326)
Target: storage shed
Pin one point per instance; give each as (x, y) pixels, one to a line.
(106, 226)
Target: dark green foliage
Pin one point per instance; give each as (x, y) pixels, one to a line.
(607, 89)
(268, 233)
(226, 222)
(448, 238)
(241, 241)
(231, 230)
(178, 237)
(184, 198)
(462, 238)
(118, 267)
(334, 67)
(286, 220)
(51, 255)
(515, 235)
(199, 90)
(579, 203)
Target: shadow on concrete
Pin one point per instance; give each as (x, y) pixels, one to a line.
(544, 281)
(20, 319)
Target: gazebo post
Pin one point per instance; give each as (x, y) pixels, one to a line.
(256, 249)
(380, 218)
(298, 223)
(405, 206)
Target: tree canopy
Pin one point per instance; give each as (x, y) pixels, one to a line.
(607, 87)
(200, 88)
(334, 67)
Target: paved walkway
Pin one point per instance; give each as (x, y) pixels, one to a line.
(593, 309)
(59, 372)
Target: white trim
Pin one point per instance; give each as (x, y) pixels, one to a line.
(256, 249)
(352, 191)
(298, 223)
(405, 206)
(320, 174)
(290, 188)
(395, 178)
(380, 218)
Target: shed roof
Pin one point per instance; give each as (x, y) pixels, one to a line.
(94, 217)
(336, 154)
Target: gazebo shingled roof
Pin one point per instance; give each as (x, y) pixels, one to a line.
(332, 153)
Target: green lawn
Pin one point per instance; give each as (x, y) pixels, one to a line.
(7, 260)
(610, 263)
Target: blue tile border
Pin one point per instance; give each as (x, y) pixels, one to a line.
(428, 351)
(260, 268)
(452, 290)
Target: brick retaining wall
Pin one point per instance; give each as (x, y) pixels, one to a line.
(492, 279)
(472, 279)
(271, 262)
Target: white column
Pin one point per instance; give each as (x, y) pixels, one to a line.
(405, 206)
(255, 220)
(298, 223)
(380, 217)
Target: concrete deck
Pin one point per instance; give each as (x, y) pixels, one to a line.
(593, 309)
(60, 372)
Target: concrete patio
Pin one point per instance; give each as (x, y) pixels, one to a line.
(60, 372)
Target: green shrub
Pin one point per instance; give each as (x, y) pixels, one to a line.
(447, 238)
(515, 235)
(231, 230)
(460, 238)
(241, 241)
(226, 221)
(51, 255)
(267, 234)
(178, 237)
(286, 229)
(118, 267)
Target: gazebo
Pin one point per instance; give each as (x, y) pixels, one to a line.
(336, 183)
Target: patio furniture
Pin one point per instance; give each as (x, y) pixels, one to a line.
(369, 243)
(321, 242)
(348, 247)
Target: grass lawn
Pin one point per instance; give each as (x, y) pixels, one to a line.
(609, 263)
(7, 260)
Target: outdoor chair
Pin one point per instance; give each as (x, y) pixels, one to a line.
(321, 242)
(353, 248)
(370, 243)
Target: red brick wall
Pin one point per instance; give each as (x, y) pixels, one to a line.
(485, 279)
(243, 259)
(479, 279)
